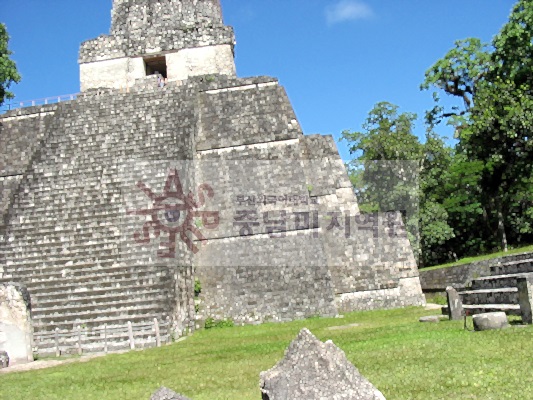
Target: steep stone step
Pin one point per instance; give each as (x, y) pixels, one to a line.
(90, 300)
(66, 273)
(96, 345)
(50, 288)
(97, 293)
(35, 260)
(110, 270)
(497, 281)
(40, 271)
(471, 309)
(69, 312)
(490, 296)
(515, 267)
(82, 279)
(95, 319)
(52, 222)
(76, 251)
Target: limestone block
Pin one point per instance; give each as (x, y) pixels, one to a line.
(16, 330)
(455, 305)
(129, 17)
(200, 61)
(166, 394)
(525, 298)
(117, 73)
(406, 293)
(314, 370)
(492, 320)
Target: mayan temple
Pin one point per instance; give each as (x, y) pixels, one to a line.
(168, 171)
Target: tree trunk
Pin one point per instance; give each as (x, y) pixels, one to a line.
(501, 225)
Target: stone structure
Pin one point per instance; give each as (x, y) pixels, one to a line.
(234, 194)
(16, 331)
(461, 276)
(312, 370)
(455, 306)
(164, 393)
(525, 298)
(179, 39)
(499, 290)
(491, 320)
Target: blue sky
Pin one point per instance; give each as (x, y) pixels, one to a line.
(336, 58)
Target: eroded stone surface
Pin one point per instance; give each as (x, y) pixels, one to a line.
(492, 320)
(314, 370)
(525, 298)
(166, 394)
(455, 305)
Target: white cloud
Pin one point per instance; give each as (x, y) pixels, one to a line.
(347, 10)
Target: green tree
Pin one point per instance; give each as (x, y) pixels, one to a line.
(457, 74)
(435, 230)
(386, 136)
(8, 68)
(495, 125)
(392, 170)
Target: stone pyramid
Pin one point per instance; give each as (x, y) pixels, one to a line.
(168, 170)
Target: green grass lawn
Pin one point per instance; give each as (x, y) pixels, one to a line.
(482, 257)
(404, 358)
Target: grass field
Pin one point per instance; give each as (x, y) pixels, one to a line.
(404, 358)
(468, 260)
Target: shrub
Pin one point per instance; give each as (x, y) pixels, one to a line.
(197, 288)
(212, 323)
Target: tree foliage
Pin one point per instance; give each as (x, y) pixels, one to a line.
(479, 195)
(457, 74)
(394, 171)
(495, 126)
(8, 68)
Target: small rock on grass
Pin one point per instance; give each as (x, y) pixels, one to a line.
(312, 370)
(164, 393)
(491, 320)
(430, 318)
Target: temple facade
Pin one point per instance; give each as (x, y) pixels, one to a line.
(168, 172)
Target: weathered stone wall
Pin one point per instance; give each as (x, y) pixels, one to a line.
(189, 35)
(122, 73)
(16, 332)
(216, 59)
(265, 153)
(147, 16)
(157, 27)
(116, 73)
(253, 113)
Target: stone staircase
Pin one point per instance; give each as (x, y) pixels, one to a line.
(498, 291)
(91, 296)
(65, 238)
